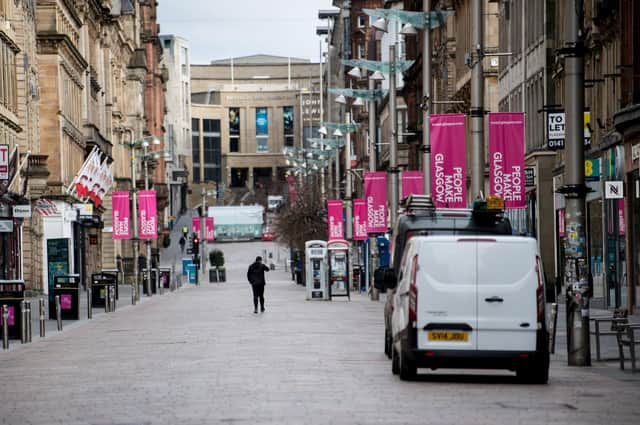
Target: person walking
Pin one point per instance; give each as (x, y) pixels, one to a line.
(182, 243)
(255, 276)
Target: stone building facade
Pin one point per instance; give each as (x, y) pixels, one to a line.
(244, 112)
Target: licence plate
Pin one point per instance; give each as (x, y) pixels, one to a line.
(442, 336)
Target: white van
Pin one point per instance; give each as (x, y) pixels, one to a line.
(470, 302)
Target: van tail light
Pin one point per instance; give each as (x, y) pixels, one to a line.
(413, 292)
(540, 292)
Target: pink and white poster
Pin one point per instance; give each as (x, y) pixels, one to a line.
(561, 230)
(65, 302)
(334, 219)
(621, 218)
(195, 225)
(120, 216)
(506, 157)
(412, 183)
(148, 215)
(359, 220)
(375, 195)
(209, 230)
(448, 161)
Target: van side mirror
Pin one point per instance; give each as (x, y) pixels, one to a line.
(390, 279)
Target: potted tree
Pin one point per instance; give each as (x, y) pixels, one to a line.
(217, 272)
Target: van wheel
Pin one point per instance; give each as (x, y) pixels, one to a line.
(395, 361)
(534, 373)
(408, 369)
(387, 343)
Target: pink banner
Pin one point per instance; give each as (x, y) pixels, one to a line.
(375, 193)
(334, 219)
(359, 220)
(561, 231)
(209, 229)
(448, 161)
(148, 215)
(412, 183)
(195, 225)
(121, 216)
(293, 193)
(621, 218)
(506, 157)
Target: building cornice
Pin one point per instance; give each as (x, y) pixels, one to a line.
(53, 42)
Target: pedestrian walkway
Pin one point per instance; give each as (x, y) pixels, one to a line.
(200, 356)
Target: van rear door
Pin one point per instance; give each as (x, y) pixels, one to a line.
(507, 282)
(446, 283)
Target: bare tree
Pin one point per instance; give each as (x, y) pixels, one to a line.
(305, 220)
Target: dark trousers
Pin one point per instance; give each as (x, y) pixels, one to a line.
(258, 294)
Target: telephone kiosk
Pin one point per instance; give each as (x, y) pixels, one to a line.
(338, 252)
(316, 270)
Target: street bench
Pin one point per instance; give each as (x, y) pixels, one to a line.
(627, 338)
(617, 319)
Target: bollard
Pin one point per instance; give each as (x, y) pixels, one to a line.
(133, 294)
(42, 319)
(5, 327)
(28, 314)
(112, 299)
(58, 313)
(89, 306)
(23, 322)
(107, 298)
(554, 321)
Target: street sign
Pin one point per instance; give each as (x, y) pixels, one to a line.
(613, 190)
(555, 130)
(529, 176)
(4, 162)
(6, 226)
(587, 131)
(22, 211)
(85, 210)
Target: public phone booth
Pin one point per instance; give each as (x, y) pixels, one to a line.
(316, 270)
(338, 253)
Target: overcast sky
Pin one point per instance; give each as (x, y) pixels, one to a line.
(219, 29)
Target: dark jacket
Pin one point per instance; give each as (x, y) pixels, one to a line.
(255, 274)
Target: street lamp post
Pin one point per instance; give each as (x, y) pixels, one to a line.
(134, 212)
(147, 242)
(477, 100)
(426, 90)
(393, 148)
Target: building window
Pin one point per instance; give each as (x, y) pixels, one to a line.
(195, 149)
(262, 130)
(8, 82)
(211, 150)
(361, 51)
(362, 21)
(287, 116)
(234, 129)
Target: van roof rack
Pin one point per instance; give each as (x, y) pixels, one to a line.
(414, 203)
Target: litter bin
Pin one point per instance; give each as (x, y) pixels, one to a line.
(68, 288)
(165, 277)
(12, 295)
(154, 281)
(99, 284)
(116, 276)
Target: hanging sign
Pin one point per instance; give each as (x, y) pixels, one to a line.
(359, 220)
(334, 220)
(613, 190)
(529, 176)
(375, 192)
(22, 211)
(555, 130)
(6, 226)
(506, 158)
(448, 160)
(209, 233)
(148, 214)
(412, 183)
(195, 225)
(120, 216)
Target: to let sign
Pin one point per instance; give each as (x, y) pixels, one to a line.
(555, 130)
(4, 162)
